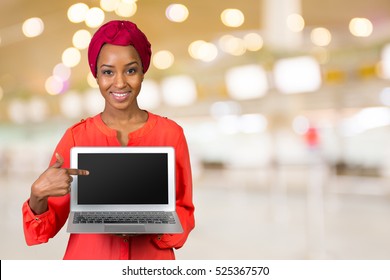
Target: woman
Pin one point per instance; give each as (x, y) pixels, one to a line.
(119, 56)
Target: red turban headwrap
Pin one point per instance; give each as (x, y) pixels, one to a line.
(120, 33)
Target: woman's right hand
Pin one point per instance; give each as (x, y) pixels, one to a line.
(55, 181)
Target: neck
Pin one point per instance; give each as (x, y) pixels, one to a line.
(119, 117)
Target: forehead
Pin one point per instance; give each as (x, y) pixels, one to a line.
(113, 52)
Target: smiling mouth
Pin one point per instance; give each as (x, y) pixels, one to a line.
(120, 96)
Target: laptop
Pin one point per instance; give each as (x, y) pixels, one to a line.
(129, 190)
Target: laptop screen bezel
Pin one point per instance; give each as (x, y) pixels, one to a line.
(170, 206)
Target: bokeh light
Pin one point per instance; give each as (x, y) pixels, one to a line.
(232, 17)
(81, 39)
(163, 59)
(320, 36)
(54, 85)
(71, 57)
(126, 8)
(109, 5)
(62, 71)
(33, 27)
(203, 50)
(361, 27)
(77, 12)
(94, 17)
(295, 22)
(232, 45)
(177, 12)
(253, 41)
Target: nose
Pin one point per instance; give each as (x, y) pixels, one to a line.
(120, 81)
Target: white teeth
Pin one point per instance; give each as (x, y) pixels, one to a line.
(119, 94)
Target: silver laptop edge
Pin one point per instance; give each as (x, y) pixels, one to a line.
(124, 228)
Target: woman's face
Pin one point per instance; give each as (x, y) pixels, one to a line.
(119, 76)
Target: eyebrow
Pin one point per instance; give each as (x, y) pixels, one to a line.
(128, 64)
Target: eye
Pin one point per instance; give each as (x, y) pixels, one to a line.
(131, 71)
(106, 72)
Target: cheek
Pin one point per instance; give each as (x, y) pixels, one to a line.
(103, 83)
(136, 82)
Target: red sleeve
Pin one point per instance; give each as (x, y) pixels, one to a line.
(39, 228)
(184, 204)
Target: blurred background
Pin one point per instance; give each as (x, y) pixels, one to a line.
(285, 105)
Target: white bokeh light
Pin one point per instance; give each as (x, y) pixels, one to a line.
(71, 57)
(232, 17)
(33, 27)
(179, 90)
(163, 59)
(321, 36)
(177, 12)
(71, 105)
(297, 75)
(94, 17)
(93, 102)
(81, 39)
(246, 82)
(150, 96)
(360, 27)
(77, 12)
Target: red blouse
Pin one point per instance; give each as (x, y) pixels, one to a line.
(157, 131)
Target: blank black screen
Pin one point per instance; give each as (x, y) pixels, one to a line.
(123, 179)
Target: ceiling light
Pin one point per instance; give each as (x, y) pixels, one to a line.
(194, 47)
(232, 17)
(232, 45)
(77, 12)
(295, 22)
(81, 39)
(126, 8)
(320, 36)
(179, 90)
(61, 71)
(71, 57)
(296, 75)
(246, 82)
(203, 50)
(33, 27)
(360, 27)
(54, 85)
(109, 5)
(163, 59)
(177, 12)
(94, 17)
(253, 42)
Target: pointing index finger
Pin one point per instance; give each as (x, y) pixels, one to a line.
(77, 172)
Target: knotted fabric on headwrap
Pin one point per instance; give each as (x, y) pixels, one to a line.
(120, 33)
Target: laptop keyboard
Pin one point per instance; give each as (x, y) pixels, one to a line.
(123, 218)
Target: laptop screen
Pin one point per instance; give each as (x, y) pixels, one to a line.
(128, 178)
